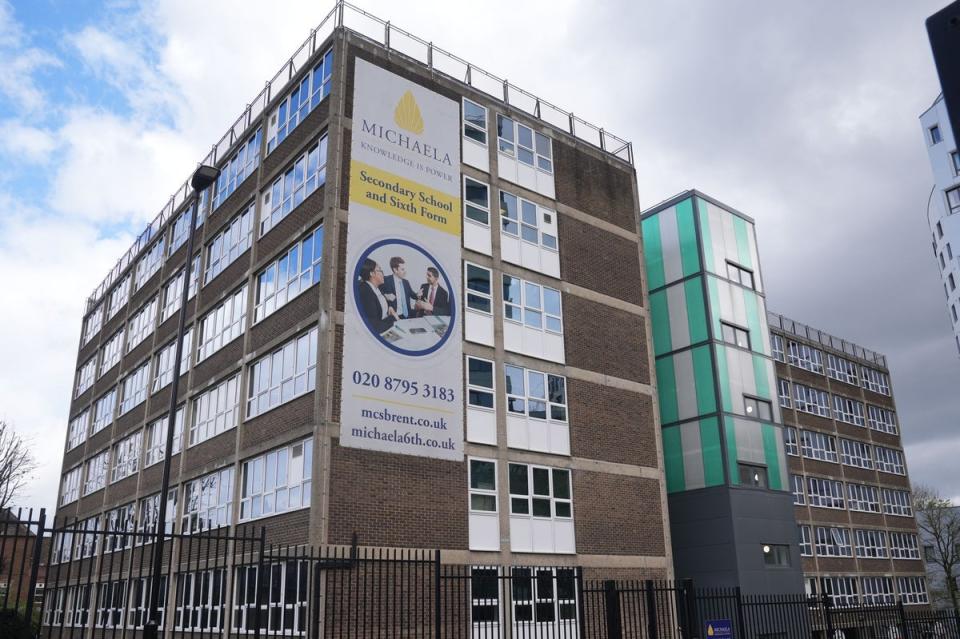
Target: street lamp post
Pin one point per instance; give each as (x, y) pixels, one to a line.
(203, 177)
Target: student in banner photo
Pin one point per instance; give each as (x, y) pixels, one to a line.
(373, 304)
(397, 290)
(434, 299)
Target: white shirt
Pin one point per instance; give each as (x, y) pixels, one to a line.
(380, 298)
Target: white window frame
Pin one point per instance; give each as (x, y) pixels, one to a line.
(522, 223)
(279, 377)
(470, 125)
(125, 460)
(529, 497)
(740, 274)
(95, 472)
(526, 399)
(523, 309)
(863, 498)
(783, 393)
(77, 430)
(103, 411)
(913, 590)
(150, 263)
(479, 209)
(806, 541)
(843, 591)
(871, 543)
(480, 388)
(111, 604)
(223, 324)
(833, 541)
(478, 496)
(791, 441)
(238, 168)
(889, 460)
(156, 438)
(842, 369)
(173, 289)
(280, 476)
(874, 380)
(279, 282)
(313, 88)
(808, 399)
(178, 231)
(286, 193)
(856, 453)
(215, 411)
(819, 446)
(279, 615)
(200, 594)
(878, 590)
(140, 601)
(92, 324)
(799, 497)
(882, 419)
(896, 502)
(805, 356)
(204, 511)
(85, 376)
(825, 493)
(70, 486)
(119, 296)
(776, 347)
(86, 540)
(477, 298)
(112, 350)
(117, 521)
(231, 242)
(148, 510)
(163, 361)
(134, 388)
(531, 155)
(848, 410)
(142, 324)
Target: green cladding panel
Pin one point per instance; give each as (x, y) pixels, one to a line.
(653, 251)
(670, 245)
(685, 385)
(692, 455)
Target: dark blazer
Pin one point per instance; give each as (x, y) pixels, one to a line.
(389, 287)
(441, 303)
(370, 307)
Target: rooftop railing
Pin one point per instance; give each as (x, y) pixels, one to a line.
(347, 16)
(792, 327)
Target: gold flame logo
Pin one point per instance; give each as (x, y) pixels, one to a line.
(710, 630)
(407, 114)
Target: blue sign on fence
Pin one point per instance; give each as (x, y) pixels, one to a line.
(721, 628)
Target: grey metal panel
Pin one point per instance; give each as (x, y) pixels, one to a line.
(679, 323)
(693, 474)
(670, 246)
(686, 385)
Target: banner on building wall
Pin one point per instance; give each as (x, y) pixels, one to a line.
(402, 350)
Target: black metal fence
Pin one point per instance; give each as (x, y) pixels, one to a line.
(75, 580)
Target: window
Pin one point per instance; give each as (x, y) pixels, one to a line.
(163, 361)
(178, 230)
(759, 408)
(70, 486)
(750, 475)
(308, 173)
(86, 539)
(85, 376)
(215, 411)
(874, 380)
(294, 108)
(173, 291)
(740, 275)
(126, 457)
(953, 311)
(288, 372)
(783, 393)
(149, 514)
(95, 473)
(817, 445)
(935, 136)
(223, 324)
(871, 544)
(734, 335)
(291, 274)
(238, 168)
(91, 325)
(111, 352)
(118, 523)
(62, 547)
(474, 122)
(284, 603)
(111, 604)
(889, 460)
(522, 218)
(833, 542)
(955, 162)
(806, 357)
(78, 605)
(943, 263)
(534, 305)
(103, 411)
(776, 555)
(776, 347)
(229, 244)
(133, 390)
(476, 200)
(952, 282)
(939, 229)
(949, 251)
(483, 486)
(825, 493)
(856, 453)
(479, 383)
(150, 263)
(478, 288)
(913, 590)
(540, 492)
(156, 435)
(142, 324)
(877, 591)
(811, 400)
(847, 410)
(528, 146)
(806, 544)
(199, 600)
(841, 369)
(790, 441)
(863, 498)
(119, 296)
(896, 502)
(77, 430)
(796, 481)
(841, 590)
(881, 419)
(535, 394)
(140, 601)
(929, 553)
(276, 482)
(207, 502)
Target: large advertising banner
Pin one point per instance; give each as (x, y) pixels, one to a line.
(402, 352)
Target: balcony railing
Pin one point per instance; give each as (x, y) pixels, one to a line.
(791, 327)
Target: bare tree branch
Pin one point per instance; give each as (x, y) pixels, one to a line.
(16, 464)
(939, 521)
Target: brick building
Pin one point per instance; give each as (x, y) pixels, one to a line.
(559, 461)
(848, 472)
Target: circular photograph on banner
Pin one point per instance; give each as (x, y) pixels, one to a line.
(404, 297)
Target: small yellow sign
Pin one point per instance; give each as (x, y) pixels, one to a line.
(404, 198)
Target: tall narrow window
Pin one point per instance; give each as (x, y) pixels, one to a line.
(476, 201)
(229, 243)
(292, 273)
(479, 382)
(288, 372)
(142, 324)
(126, 457)
(85, 376)
(119, 296)
(295, 107)
(474, 122)
(308, 172)
(223, 324)
(150, 263)
(238, 168)
(215, 411)
(208, 502)
(95, 472)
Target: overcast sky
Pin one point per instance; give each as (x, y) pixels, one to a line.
(803, 115)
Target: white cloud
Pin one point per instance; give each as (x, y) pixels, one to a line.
(18, 63)
(25, 143)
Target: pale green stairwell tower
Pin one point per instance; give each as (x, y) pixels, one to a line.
(731, 512)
